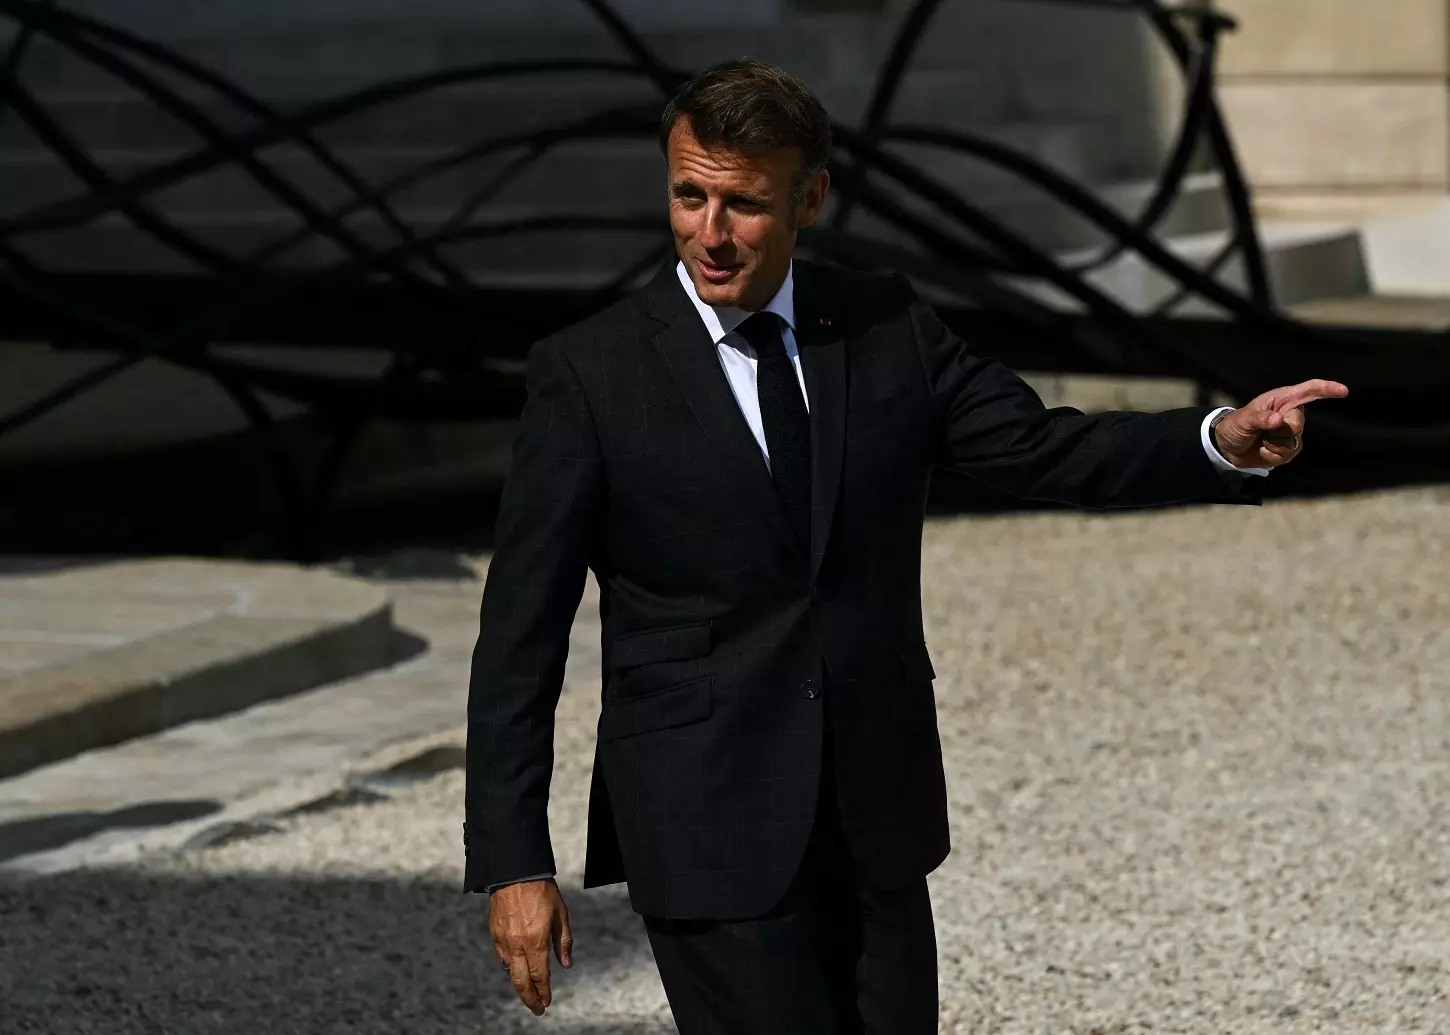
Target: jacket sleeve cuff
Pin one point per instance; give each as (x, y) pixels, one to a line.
(491, 888)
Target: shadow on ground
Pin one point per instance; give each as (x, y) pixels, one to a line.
(43, 833)
(121, 952)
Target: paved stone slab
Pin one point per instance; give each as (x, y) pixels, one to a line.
(93, 654)
(1390, 312)
(207, 779)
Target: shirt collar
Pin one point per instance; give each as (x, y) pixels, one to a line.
(721, 320)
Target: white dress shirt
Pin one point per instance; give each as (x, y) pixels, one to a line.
(738, 358)
(737, 355)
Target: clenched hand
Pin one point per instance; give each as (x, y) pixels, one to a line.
(525, 919)
(1268, 431)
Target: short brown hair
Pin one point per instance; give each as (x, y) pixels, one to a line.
(753, 107)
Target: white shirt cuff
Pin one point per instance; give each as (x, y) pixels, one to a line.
(1218, 459)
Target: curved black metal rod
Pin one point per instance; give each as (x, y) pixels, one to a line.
(651, 259)
(249, 103)
(1200, 110)
(616, 122)
(329, 470)
(610, 123)
(70, 211)
(192, 334)
(102, 184)
(1210, 269)
(534, 223)
(473, 399)
(187, 113)
(666, 78)
(1180, 157)
(273, 457)
(1038, 265)
(468, 394)
(103, 329)
(140, 347)
(248, 405)
(946, 246)
(969, 282)
(963, 266)
(883, 95)
(1095, 211)
(15, 54)
(1211, 23)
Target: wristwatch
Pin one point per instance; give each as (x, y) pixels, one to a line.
(1212, 438)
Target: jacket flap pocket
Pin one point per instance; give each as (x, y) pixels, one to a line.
(677, 705)
(676, 643)
(916, 664)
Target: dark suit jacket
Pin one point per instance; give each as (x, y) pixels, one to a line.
(722, 633)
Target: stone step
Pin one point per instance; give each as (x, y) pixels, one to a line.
(1305, 261)
(244, 229)
(599, 173)
(113, 243)
(450, 117)
(94, 653)
(280, 755)
(1200, 208)
(112, 117)
(1382, 312)
(838, 56)
(292, 54)
(229, 211)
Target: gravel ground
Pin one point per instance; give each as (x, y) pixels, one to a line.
(1199, 775)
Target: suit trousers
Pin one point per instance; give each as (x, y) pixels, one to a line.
(831, 958)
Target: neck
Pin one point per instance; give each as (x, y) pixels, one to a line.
(762, 297)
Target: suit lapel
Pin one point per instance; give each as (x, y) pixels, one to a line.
(690, 354)
(823, 360)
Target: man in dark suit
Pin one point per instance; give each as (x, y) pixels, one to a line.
(740, 452)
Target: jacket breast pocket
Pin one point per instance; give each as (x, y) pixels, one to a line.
(891, 411)
(665, 708)
(916, 664)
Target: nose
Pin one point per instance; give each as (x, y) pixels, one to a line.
(715, 233)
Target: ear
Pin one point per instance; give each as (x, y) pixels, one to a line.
(814, 198)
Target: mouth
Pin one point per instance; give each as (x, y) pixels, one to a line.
(718, 274)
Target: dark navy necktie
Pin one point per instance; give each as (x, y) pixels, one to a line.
(785, 419)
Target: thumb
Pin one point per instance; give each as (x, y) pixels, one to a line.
(1242, 429)
(1262, 420)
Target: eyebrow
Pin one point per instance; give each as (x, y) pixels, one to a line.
(681, 187)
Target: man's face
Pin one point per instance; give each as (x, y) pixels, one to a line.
(731, 218)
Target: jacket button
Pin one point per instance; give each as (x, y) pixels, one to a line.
(812, 689)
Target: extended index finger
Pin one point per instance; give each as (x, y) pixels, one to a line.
(1308, 392)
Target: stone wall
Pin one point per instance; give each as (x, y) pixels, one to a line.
(1341, 108)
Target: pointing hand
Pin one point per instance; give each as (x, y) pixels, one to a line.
(1268, 432)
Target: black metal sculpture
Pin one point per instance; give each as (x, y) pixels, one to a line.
(437, 369)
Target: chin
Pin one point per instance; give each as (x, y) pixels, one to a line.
(721, 294)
